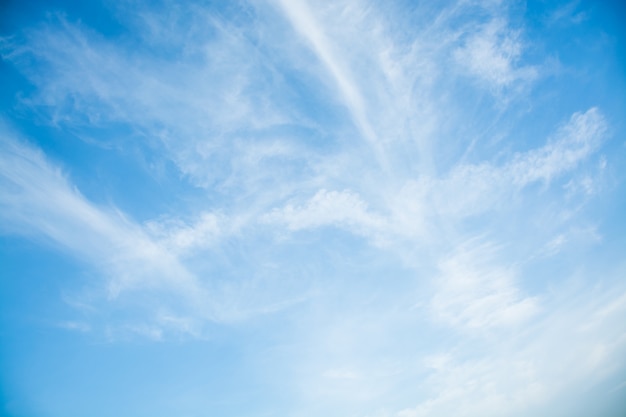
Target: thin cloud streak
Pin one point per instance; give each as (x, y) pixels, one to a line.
(37, 199)
(304, 23)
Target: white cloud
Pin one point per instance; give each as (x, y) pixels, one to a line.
(518, 372)
(248, 113)
(179, 237)
(492, 55)
(343, 209)
(91, 83)
(473, 293)
(568, 13)
(305, 23)
(474, 188)
(572, 143)
(146, 269)
(38, 201)
(467, 190)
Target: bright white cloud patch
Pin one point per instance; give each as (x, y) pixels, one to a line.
(492, 54)
(303, 209)
(474, 293)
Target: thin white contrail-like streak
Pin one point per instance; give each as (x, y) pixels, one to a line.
(303, 21)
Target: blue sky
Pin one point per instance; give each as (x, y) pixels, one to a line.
(298, 208)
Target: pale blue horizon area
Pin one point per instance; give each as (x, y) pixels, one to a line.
(300, 209)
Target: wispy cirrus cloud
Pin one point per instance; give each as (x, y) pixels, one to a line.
(476, 294)
(359, 183)
(524, 372)
(492, 56)
(467, 190)
(207, 128)
(136, 261)
(38, 200)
